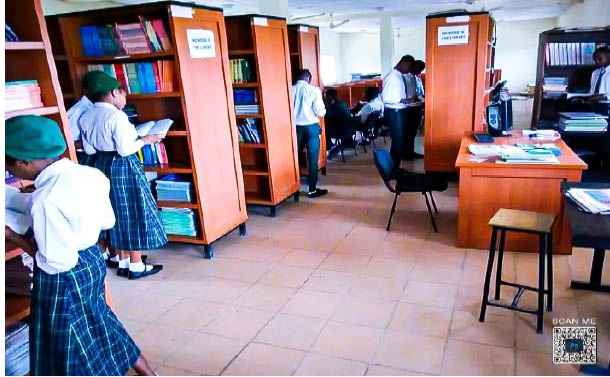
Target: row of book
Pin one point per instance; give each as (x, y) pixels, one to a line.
(141, 78)
(17, 350)
(591, 200)
(179, 221)
(21, 95)
(247, 109)
(583, 122)
(250, 131)
(572, 53)
(173, 188)
(555, 84)
(240, 71)
(140, 37)
(9, 34)
(244, 96)
(153, 154)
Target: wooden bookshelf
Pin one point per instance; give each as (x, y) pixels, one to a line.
(202, 145)
(447, 118)
(304, 45)
(270, 168)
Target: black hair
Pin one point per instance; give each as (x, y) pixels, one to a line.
(371, 92)
(10, 160)
(601, 50)
(407, 59)
(99, 97)
(303, 74)
(418, 66)
(332, 93)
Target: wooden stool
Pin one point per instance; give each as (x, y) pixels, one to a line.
(526, 222)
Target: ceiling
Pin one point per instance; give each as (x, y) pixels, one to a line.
(364, 15)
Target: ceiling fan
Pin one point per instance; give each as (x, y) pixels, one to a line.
(304, 17)
(332, 25)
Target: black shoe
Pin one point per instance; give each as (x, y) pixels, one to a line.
(317, 192)
(122, 272)
(407, 158)
(115, 264)
(417, 155)
(137, 275)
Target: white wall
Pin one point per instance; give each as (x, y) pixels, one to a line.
(517, 50)
(412, 42)
(50, 7)
(330, 56)
(360, 53)
(589, 13)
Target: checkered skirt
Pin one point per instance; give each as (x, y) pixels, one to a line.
(72, 329)
(138, 222)
(85, 159)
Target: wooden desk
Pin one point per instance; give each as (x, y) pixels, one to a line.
(486, 187)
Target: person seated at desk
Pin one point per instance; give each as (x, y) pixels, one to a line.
(600, 79)
(373, 103)
(338, 117)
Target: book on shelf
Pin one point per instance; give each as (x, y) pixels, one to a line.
(154, 127)
(17, 349)
(20, 95)
(173, 188)
(591, 200)
(247, 109)
(132, 114)
(179, 221)
(140, 37)
(153, 154)
(244, 96)
(570, 53)
(555, 84)
(9, 34)
(249, 131)
(240, 71)
(141, 78)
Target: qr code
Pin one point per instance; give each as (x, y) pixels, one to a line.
(574, 345)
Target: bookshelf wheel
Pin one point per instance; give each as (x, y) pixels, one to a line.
(297, 196)
(273, 211)
(243, 231)
(208, 251)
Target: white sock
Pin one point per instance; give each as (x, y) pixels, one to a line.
(124, 263)
(105, 255)
(139, 267)
(115, 258)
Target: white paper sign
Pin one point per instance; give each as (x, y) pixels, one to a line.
(201, 43)
(259, 21)
(453, 35)
(456, 19)
(181, 11)
(303, 29)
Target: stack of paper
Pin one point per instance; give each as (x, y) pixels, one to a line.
(518, 155)
(17, 210)
(21, 95)
(179, 221)
(246, 109)
(484, 150)
(584, 122)
(591, 200)
(173, 191)
(17, 352)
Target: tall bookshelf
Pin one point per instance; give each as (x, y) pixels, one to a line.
(202, 145)
(456, 106)
(304, 46)
(31, 59)
(270, 168)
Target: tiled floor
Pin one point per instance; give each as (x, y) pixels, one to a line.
(323, 289)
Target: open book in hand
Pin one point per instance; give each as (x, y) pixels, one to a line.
(159, 127)
(17, 211)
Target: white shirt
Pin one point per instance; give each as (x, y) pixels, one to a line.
(307, 102)
(106, 128)
(70, 206)
(74, 114)
(604, 87)
(371, 106)
(412, 89)
(393, 90)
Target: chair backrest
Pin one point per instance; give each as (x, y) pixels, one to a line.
(372, 119)
(385, 166)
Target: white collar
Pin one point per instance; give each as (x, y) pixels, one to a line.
(105, 104)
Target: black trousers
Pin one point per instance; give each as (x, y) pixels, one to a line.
(396, 120)
(413, 118)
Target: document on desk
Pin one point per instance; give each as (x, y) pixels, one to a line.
(17, 210)
(591, 200)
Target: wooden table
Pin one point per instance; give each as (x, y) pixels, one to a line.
(487, 186)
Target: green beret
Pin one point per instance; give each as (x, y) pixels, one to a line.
(99, 83)
(32, 137)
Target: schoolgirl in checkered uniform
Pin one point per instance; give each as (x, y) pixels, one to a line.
(107, 131)
(72, 329)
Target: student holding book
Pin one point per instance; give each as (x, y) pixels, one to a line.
(107, 130)
(74, 114)
(73, 331)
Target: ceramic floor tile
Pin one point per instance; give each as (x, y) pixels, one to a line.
(265, 297)
(496, 330)
(405, 250)
(321, 365)
(389, 268)
(397, 350)
(169, 371)
(330, 281)
(286, 276)
(291, 331)
(530, 363)
(377, 287)
(435, 294)
(345, 262)
(264, 360)
(303, 258)
(148, 308)
(238, 323)
(348, 341)
(191, 314)
(477, 359)
(379, 370)
(364, 311)
(155, 351)
(219, 290)
(257, 252)
(421, 319)
(436, 273)
(312, 304)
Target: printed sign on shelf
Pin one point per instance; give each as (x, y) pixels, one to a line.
(201, 43)
(453, 35)
(181, 11)
(259, 21)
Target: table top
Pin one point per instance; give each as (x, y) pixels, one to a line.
(567, 160)
(588, 230)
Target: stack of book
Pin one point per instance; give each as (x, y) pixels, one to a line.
(583, 122)
(17, 350)
(132, 38)
(171, 188)
(244, 96)
(240, 71)
(141, 78)
(179, 221)
(21, 95)
(249, 131)
(591, 200)
(554, 86)
(247, 109)
(520, 155)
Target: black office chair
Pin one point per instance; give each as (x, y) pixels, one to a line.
(343, 131)
(367, 129)
(407, 182)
